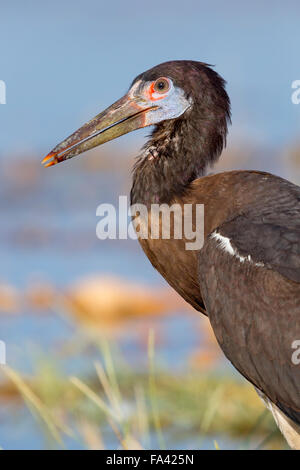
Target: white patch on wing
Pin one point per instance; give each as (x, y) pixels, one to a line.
(225, 244)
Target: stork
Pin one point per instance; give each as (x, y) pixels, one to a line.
(246, 276)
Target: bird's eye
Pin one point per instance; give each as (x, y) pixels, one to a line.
(162, 85)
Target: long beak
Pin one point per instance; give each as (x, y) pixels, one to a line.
(121, 117)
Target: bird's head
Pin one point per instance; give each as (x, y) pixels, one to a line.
(168, 92)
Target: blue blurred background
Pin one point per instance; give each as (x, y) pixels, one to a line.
(62, 62)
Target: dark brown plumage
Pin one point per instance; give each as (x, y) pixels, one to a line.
(246, 277)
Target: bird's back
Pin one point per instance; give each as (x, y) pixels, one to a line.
(249, 272)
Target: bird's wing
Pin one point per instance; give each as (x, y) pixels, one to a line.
(270, 240)
(249, 270)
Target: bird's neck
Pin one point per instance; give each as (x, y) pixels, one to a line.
(177, 153)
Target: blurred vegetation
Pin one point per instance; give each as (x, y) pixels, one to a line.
(118, 407)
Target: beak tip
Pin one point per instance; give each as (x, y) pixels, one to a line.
(46, 161)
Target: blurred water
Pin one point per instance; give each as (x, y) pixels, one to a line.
(48, 234)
